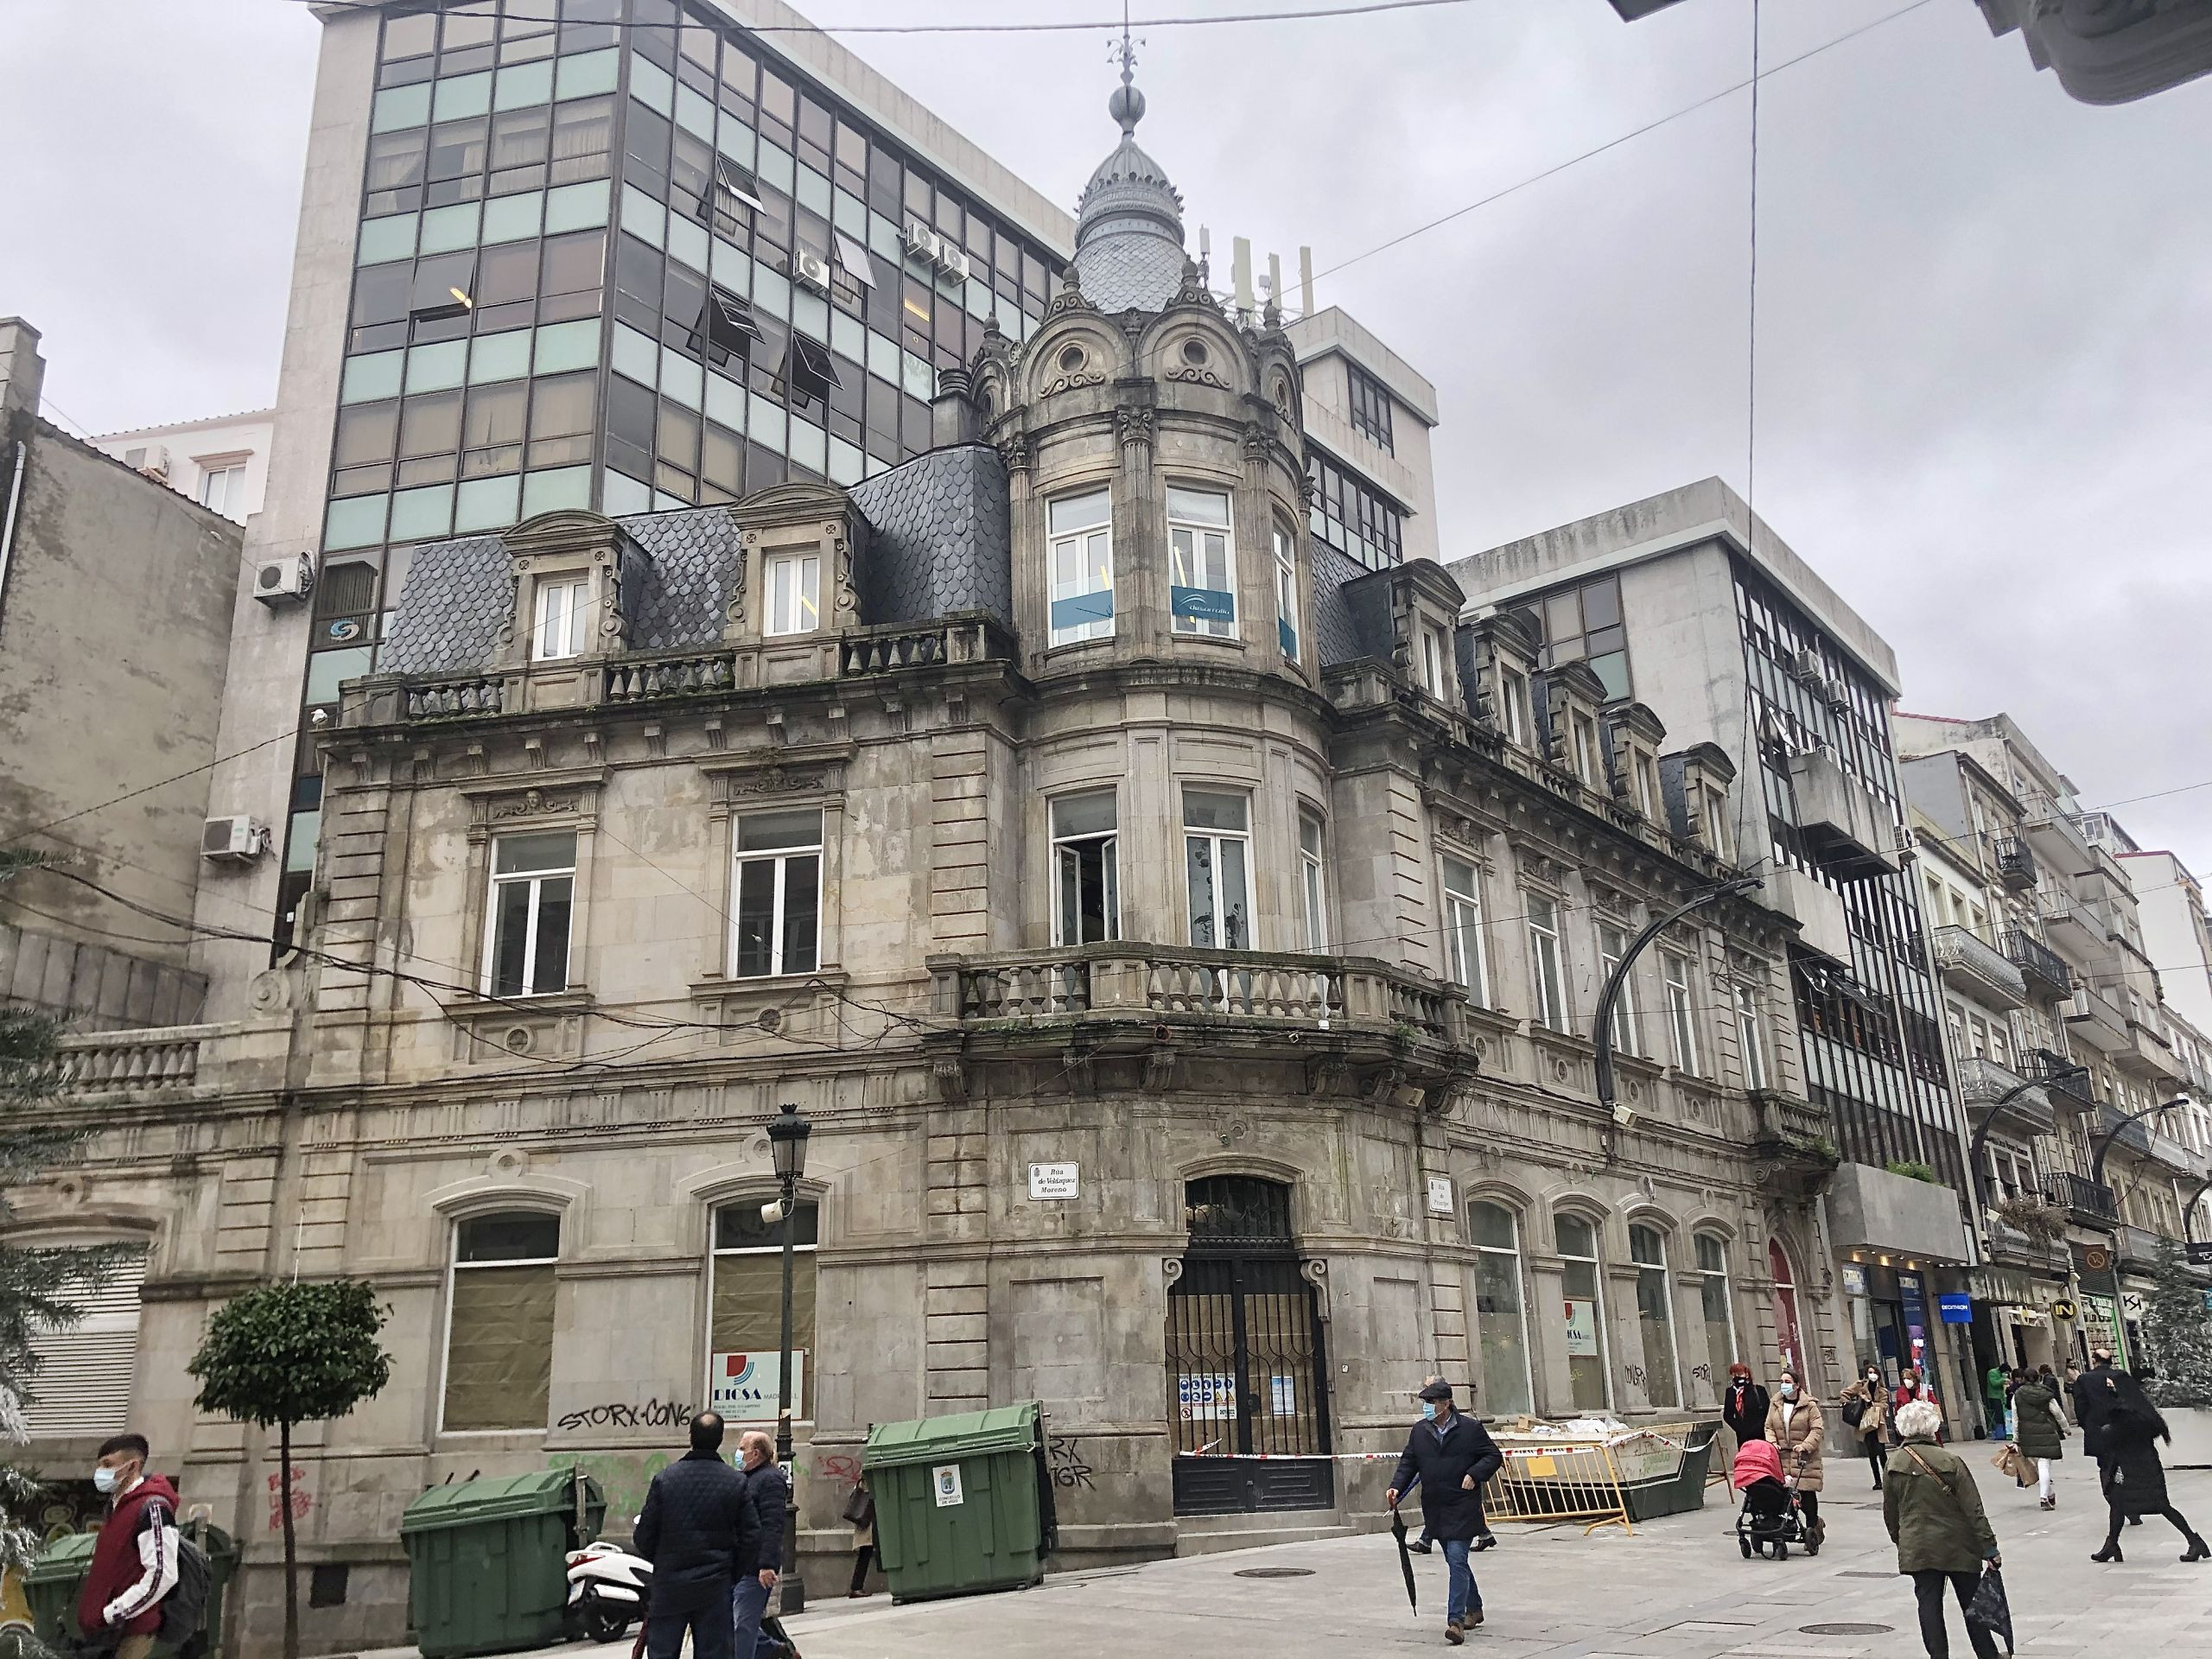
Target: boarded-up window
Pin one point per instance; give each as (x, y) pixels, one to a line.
(499, 1322)
(746, 1335)
(82, 1385)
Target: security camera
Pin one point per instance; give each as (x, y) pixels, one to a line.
(772, 1211)
(320, 718)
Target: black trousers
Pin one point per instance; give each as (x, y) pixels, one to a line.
(1809, 1503)
(2120, 1517)
(714, 1632)
(861, 1559)
(1876, 1458)
(1934, 1636)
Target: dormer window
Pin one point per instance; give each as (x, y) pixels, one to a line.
(1647, 790)
(1435, 654)
(1585, 750)
(1513, 706)
(562, 606)
(1716, 825)
(794, 584)
(1201, 556)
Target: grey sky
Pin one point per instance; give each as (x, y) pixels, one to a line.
(1984, 316)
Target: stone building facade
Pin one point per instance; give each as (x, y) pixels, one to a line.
(1185, 942)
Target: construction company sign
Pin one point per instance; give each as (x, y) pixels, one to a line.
(742, 1387)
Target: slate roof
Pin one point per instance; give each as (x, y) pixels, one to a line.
(1134, 270)
(941, 543)
(1347, 626)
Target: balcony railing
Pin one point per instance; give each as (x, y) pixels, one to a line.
(2016, 862)
(1971, 963)
(1307, 992)
(133, 1062)
(1983, 1083)
(2042, 967)
(458, 699)
(929, 645)
(2097, 1019)
(2140, 1245)
(2135, 1135)
(645, 680)
(2079, 1195)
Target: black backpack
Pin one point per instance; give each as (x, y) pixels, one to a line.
(184, 1609)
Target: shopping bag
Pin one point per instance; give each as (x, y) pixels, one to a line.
(1988, 1610)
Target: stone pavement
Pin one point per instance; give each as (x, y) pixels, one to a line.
(1678, 1589)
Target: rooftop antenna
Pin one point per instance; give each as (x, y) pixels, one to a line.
(1127, 105)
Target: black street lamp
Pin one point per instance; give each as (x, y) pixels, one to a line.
(1602, 1033)
(2065, 1071)
(787, 1134)
(2112, 1227)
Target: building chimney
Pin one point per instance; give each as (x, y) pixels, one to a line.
(21, 368)
(952, 414)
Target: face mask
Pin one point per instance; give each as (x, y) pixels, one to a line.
(1873, 1376)
(1428, 1409)
(104, 1479)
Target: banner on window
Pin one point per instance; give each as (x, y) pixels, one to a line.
(1581, 1329)
(742, 1387)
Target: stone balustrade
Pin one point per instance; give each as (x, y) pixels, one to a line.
(163, 1058)
(931, 645)
(643, 679)
(477, 695)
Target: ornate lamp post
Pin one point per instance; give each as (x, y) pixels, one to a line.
(787, 1134)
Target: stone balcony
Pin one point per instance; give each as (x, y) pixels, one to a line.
(175, 1064)
(2096, 1019)
(1795, 1134)
(1970, 964)
(1983, 1083)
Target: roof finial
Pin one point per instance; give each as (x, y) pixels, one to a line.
(1126, 104)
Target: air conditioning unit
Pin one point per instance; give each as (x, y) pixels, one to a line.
(280, 581)
(1808, 666)
(152, 459)
(237, 840)
(810, 268)
(950, 260)
(923, 243)
(1838, 693)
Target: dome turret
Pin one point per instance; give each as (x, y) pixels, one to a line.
(1129, 236)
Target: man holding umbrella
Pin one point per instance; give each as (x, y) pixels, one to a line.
(1450, 1457)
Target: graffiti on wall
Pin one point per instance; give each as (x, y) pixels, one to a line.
(300, 1500)
(619, 1413)
(1064, 1456)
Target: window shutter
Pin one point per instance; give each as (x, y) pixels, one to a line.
(83, 1383)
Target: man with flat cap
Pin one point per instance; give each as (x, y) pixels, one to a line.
(1450, 1457)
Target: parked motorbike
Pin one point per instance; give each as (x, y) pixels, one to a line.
(608, 1591)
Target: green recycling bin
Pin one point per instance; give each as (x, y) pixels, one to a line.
(962, 1503)
(50, 1585)
(487, 1559)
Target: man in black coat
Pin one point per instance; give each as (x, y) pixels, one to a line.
(1451, 1456)
(695, 1527)
(760, 1564)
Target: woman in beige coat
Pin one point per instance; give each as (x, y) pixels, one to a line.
(1794, 1425)
(1872, 1394)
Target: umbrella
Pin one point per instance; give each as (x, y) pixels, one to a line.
(1405, 1556)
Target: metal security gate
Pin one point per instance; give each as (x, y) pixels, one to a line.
(1247, 1372)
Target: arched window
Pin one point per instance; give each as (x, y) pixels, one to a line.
(1584, 1311)
(1719, 1309)
(1240, 1210)
(1501, 1318)
(746, 1334)
(1655, 1316)
(83, 1383)
(499, 1307)
(1785, 1308)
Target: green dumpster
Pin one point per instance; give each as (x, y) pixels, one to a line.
(222, 1553)
(50, 1585)
(962, 1503)
(488, 1559)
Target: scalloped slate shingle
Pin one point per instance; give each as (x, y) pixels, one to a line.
(1130, 273)
(690, 560)
(457, 597)
(1341, 627)
(942, 541)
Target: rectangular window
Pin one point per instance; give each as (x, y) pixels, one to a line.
(222, 489)
(794, 583)
(1435, 654)
(499, 1318)
(1313, 891)
(1648, 799)
(1655, 1314)
(533, 885)
(1500, 1315)
(776, 925)
(1583, 625)
(1586, 762)
(1370, 408)
(1682, 1019)
(1216, 847)
(1546, 962)
(558, 633)
(1749, 1029)
(1463, 928)
(1286, 591)
(1584, 1311)
(86, 1367)
(1612, 945)
(1716, 826)
(1718, 1310)
(1201, 560)
(1086, 869)
(1513, 707)
(1081, 549)
(746, 1320)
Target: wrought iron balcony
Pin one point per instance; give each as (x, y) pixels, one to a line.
(2081, 1198)
(2042, 968)
(2061, 910)
(1970, 964)
(2016, 862)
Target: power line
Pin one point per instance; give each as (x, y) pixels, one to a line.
(1086, 26)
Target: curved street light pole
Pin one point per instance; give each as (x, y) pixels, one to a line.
(1608, 998)
(2103, 1145)
(2061, 1074)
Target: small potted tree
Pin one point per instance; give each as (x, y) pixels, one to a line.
(2178, 1328)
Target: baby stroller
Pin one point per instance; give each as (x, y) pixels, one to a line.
(1770, 1520)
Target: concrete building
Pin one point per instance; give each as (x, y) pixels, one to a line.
(1184, 938)
(2111, 54)
(2112, 1021)
(221, 462)
(115, 613)
(2170, 901)
(1685, 602)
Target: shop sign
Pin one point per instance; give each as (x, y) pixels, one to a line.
(1854, 1278)
(2063, 1310)
(1051, 1180)
(2003, 1285)
(1282, 1395)
(2199, 1255)
(2208, 1301)
(742, 1387)
(2099, 1319)
(2133, 1305)
(1956, 1308)
(1581, 1329)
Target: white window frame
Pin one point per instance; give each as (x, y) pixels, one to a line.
(1435, 676)
(1187, 558)
(780, 857)
(1064, 848)
(563, 603)
(1091, 547)
(1589, 759)
(1628, 1032)
(1648, 800)
(1666, 1308)
(1716, 825)
(1312, 881)
(1681, 1009)
(1513, 697)
(1706, 1276)
(454, 1266)
(1466, 951)
(802, 611)
(1521, 1288)
(1751, 1032)
(535, 879)
(230, 470)
(1285, 552)
(1215, 840)
(1548, 963)
(1597, 1263)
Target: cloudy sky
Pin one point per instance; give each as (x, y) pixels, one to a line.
(1985, 319)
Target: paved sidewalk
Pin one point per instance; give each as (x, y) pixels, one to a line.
(1677, 1590)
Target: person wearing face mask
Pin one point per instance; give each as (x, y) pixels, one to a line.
(1450, 1457)
(1794, 1425)
(1743, 1407)
(135, 1561)
(1871, 1398)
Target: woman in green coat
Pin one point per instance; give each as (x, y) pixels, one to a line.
(2039, 1430)
(1935, 1516)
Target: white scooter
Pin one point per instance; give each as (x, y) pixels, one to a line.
(608, 1590)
